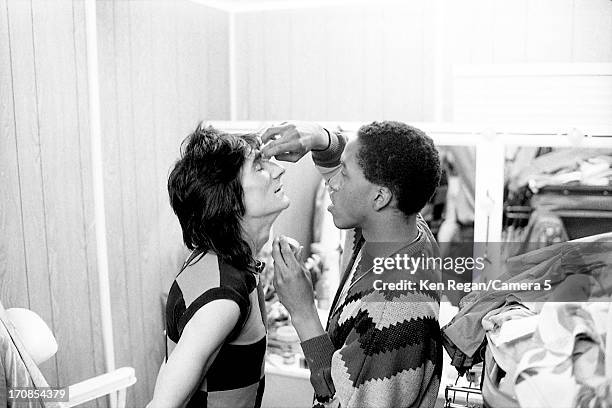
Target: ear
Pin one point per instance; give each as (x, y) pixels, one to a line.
(383, 197)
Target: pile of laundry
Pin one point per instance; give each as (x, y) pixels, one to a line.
(585, 166)
(556, 196)
(550, 348)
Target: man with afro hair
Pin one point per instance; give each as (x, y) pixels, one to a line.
(382, 346)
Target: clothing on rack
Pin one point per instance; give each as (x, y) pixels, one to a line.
(594, 171)
(543, 229)
(553, 263)
(572, 185)
(554, 163)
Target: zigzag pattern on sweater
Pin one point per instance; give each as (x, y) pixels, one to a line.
(388, 343)
(393, 339)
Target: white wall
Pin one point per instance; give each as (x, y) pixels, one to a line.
(364, 61)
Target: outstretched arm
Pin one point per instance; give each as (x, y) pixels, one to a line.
(291, 141)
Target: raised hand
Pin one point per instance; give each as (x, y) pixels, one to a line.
(291, 141)
(291, 279)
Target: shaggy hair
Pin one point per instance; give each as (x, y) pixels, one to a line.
(207, 196)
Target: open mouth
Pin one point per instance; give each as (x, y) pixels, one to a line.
(278, 189)
(331, 205)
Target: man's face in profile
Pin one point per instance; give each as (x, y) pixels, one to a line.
(351, 193)
(262, 186)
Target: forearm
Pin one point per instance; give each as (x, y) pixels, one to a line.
(167, 395)
(318, 351)
(173, 389)
(307, 323)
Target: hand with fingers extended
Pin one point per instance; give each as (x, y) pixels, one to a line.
(291, 141)
(291, 278)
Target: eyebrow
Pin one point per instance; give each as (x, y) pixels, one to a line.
(258, 156)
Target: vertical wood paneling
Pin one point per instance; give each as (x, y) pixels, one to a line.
(430, 34)
(277, 64)
(344, 78)
(480, 24)
(469, 34)
(191, 98)
(149, 103)
(403, 62)
(217, 40)
(166, 119)
(311, 97)
(112, 175)
(13, 279)
(248, 25)
(415, 91)
(458, 32)
(373, 40)
(145, 166)
(30, 169)
(549, 30)
(457, 45)
(592, 31)
(59, 134)
(198, 16)
(86, 201)
(509, 31)
(243, 60)
(394, 44)
(123, 64)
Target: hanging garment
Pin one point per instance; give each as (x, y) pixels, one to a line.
(543, 229)
(552, 264)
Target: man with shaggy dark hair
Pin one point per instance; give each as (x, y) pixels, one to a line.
(382, 346)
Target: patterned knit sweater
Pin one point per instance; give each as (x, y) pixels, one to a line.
(382, 347)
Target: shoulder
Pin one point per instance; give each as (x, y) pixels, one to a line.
(210, 273)
(239, 280)
(202, 282)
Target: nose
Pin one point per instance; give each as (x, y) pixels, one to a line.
(276, 170)
(335, 183)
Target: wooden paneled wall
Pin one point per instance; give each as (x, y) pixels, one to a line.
(358, 62)
(47, 259)
(163, 67)
(376, 60)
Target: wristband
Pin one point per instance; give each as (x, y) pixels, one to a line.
(328, 142)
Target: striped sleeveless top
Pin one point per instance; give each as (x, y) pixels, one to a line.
(235, 378)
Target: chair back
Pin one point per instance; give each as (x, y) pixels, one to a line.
(20, 370)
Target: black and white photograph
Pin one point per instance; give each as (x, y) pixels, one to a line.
(306, 203)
